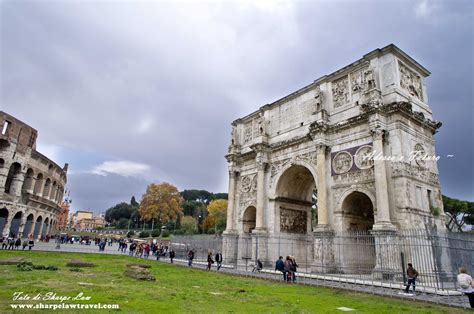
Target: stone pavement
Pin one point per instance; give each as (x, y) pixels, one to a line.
(454, 299)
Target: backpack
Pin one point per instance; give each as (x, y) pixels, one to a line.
(464, 282)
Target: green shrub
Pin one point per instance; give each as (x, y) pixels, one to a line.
(25, 266)
(436, 211)
(165, 233)
(144, 234)
(130, 233)
(79, 263)
(155, 233)
(75, 269)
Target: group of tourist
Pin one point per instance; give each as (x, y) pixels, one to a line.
(210, 260)
(143, 249)
(287, 267)
(14, 243)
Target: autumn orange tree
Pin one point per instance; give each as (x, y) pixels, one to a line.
(161, 201)
(216, 215)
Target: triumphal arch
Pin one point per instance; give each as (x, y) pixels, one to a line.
(352, 151)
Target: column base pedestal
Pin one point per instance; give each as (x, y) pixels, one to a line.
(230, 246)
(324, 261)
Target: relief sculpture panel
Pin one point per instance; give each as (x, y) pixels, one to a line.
(410, 81)
(293, 221)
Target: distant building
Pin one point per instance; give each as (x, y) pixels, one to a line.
(63, 218)
(85, 220)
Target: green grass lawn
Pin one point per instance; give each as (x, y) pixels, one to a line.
(182, 290)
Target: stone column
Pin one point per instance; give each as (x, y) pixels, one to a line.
(41, 186)
(22, 224)
(231, 201)
(381, 186)
(259, 223)
(321, 187)
(8, 224)
(17, 184)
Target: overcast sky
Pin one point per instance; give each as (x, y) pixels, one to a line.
(135, 92)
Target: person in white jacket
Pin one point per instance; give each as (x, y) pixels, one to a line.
(466, 285)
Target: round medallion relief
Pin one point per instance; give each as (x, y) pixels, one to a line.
(246, 184)
(342, 162)
(419, 154)
(363, 157)
(254, 183)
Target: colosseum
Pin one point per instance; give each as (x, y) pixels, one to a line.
(31, 185)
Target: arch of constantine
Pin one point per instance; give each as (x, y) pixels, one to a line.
(347, 153)
(31, 185)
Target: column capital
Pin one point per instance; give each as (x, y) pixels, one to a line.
(321, 148)
(378, 133)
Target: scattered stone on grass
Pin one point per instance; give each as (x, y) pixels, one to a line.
(12, 261)
(345, 309)
(139, 273)
(216, 293)
(139, 265)
(79, 263)
(242, 291)
(29, 266)
(85, 284)
(197, 287)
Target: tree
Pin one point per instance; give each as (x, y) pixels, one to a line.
(459, 213)
(217, 215)
(115, 213)
(188, 225)
(161, 201)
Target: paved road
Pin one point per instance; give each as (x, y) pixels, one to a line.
(451, 300)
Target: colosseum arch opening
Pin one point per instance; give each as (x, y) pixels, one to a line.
(3, 219)
(47, 187)
(38, 184)
(15, 224)
(12, 177)
(38, 224)
(44, 232)
(29, 180)
(358, 219)
(28, 226)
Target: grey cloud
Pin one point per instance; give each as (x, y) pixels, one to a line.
(87, 74)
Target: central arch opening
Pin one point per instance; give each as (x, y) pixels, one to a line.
(294, 200)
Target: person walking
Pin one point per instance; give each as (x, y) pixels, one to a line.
(280, 266)
(412, 276)
(11, 243)
(210, 261)
(466, 285)
(25, 244)
(219, 259)
(31, 242)
(172, 254)
(17, 243)
(132, 248)
(190, 258)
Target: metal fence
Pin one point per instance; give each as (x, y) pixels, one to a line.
(363, 257)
